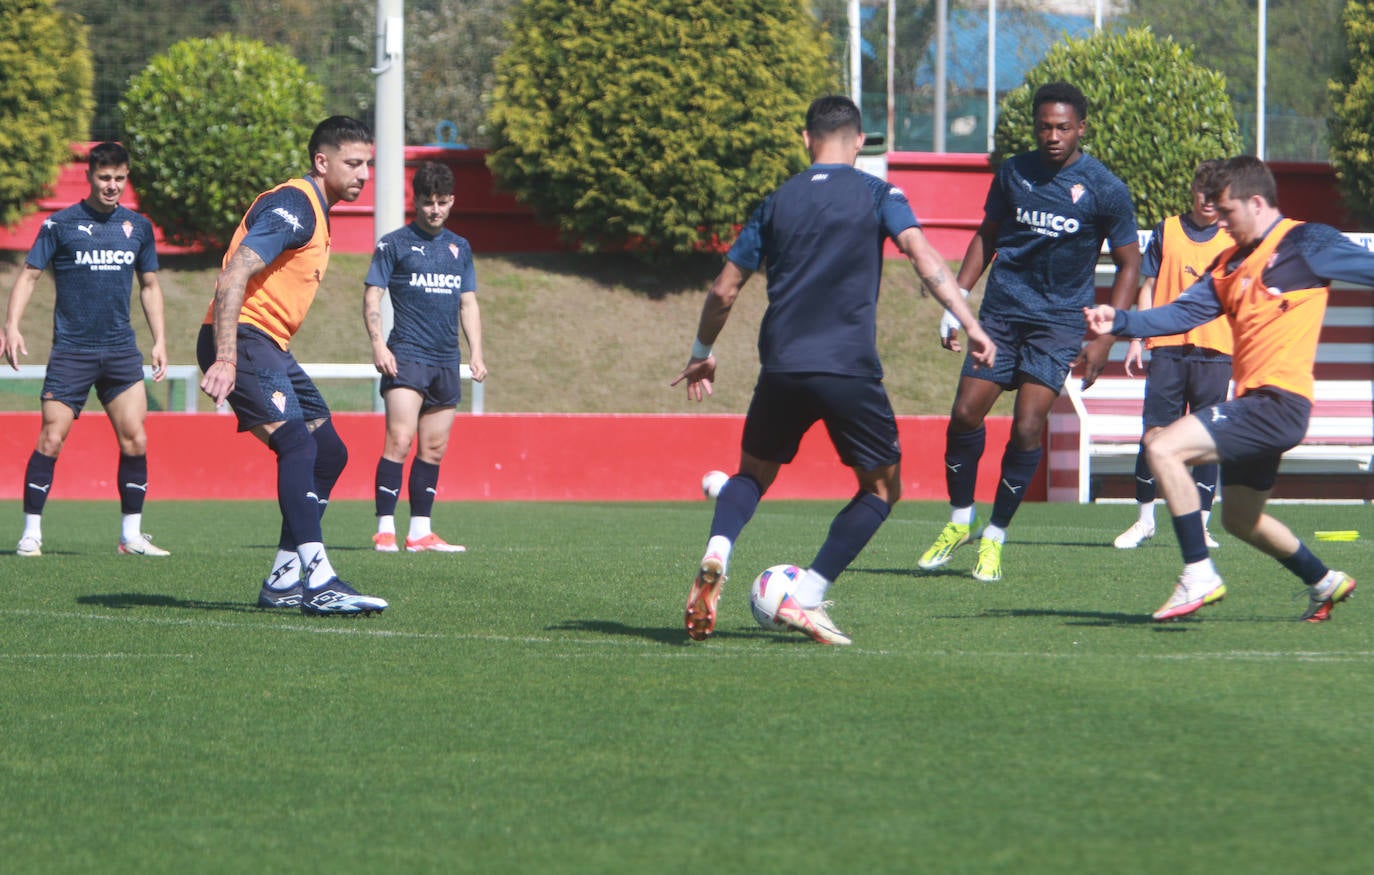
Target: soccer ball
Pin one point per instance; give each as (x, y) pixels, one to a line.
(712, 482)
(768, 591)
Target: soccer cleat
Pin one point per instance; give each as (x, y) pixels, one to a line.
(812, 622)
(140, 545)
(704, 596)
(952, 537)
(432, 543)
(280, 598)
(989, 565)
(29, 545)
(1336, 586)
(385, 542)
(337, 598)
(1189, 595)
(1209, 540)
(1132, 537)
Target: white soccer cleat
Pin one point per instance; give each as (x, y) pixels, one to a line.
(1191, 593)
(812, 622)
(1132, 537)
(1210, 541)
(140, 545)
(432, 543)
(29, 545)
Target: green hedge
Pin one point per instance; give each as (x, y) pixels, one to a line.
(1153, 114)
(1352, 113)
(212, 123)
(657, 124)
(45, 99)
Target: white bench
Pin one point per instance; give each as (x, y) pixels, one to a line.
(1106, 419)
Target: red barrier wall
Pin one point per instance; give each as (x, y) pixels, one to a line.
(947, 191)
(506, 457)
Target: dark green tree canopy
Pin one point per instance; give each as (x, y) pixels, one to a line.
(212, 123)
(45, 98)
(656, 124)
(1153, 114)
(1352, 113)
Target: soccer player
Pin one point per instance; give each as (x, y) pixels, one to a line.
(1272, 285)
(821, 236)
(1188, 371)
(429, 272)
(269, 277)
(1045, 219)
(96, 248)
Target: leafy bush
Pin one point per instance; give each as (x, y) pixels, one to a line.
(1153, 114)
(45, 98)
(1352, 112)
(211, 123)
(657, 124)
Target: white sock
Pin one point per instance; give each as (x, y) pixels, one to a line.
(1206, 515)
(1147, 514)
(721, 546)
(314, 561)
(419, 527)
(995, 533)
(33, 526)
(386, 525)
(1203, 570)
(810, 588)
(131, 526)
(286, 570)
(961, 515)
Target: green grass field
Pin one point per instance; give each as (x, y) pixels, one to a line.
(533, 706)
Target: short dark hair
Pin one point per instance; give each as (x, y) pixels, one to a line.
(107, 155)
(1246, 176)
(337, 130)
(1060, 92)
(1204, 176)
(432, 178)
(832, 113)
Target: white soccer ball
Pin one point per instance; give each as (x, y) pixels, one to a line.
(712, 482)
(768, 591)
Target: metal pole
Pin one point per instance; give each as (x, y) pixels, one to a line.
(1260, 76)
(891, 142)
(992, 74)
(856, 91)
(941, 72)
(389, 174)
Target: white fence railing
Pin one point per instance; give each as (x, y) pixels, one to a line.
(190, 374)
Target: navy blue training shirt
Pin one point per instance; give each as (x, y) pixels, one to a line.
(95, 258)
(425, 276)
(821, 236)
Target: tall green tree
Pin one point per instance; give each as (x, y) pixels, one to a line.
(45, 98)
(1154, 113)
(656, 124)
(1352, 112)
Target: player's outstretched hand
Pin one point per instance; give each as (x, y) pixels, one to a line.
(699, 374)
(219, 381)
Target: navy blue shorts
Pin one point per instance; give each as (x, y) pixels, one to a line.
(1183, 381)
(269, 385)
(1252, 433)
(71, 376)
(438, 385)
(856, 412)
(1025, 350)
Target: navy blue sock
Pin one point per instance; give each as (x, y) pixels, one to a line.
(38, 481)
(300, 508)
(1205, 476)
(330, 458)
(1191, 539)
(1144, 479)
(1305, 565)
(735, 505)
(1018, 469)
(962, 452)
(133, 483)
(423, 487)
(388, 484)
(850, 532)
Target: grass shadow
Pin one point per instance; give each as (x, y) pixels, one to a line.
(124, 601)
